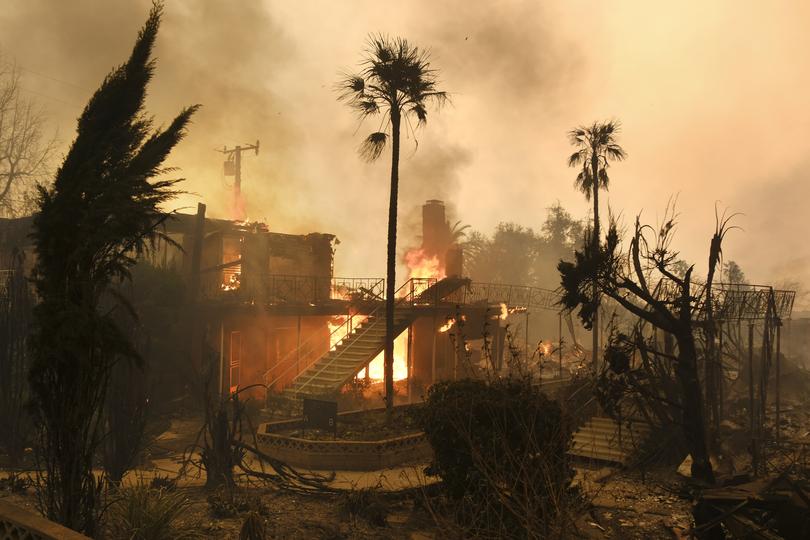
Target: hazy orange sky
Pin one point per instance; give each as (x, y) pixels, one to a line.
(712, 96)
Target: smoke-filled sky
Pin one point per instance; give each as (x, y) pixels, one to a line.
(712, 97)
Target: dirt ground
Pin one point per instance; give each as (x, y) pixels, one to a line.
(629, 505)
(624, 506)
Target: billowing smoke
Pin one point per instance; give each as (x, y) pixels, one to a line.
(710, 95)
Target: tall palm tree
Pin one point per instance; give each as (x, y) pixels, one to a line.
(596, 147)
(396, 81)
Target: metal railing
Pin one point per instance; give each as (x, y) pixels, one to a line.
(297, 289)
(512, 295)
(733, 301)
(414, 292)
(317, 289)
(347, 327)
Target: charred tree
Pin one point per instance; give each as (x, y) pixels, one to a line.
(100, 215)
(642, 282)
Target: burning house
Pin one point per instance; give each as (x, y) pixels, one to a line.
(269, 311)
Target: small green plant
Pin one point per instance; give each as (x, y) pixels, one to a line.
(15, 482)
(163, 482)
(253, 528)
(229, 502)
(139, 512)
(366, 503)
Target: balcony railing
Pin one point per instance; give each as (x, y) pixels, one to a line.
(291, 289)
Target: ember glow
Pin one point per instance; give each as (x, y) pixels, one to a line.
(230, 280)
(449, 324)
(545, 348)
(506, 311)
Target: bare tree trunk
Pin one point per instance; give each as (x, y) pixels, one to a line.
(390, 285)
(686, 369)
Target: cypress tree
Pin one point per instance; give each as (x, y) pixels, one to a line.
(102, 212)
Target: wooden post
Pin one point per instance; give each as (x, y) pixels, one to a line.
(433, 357)
(526, 338)
(221, 355)
(778, 378)
(559, 344)
(409, 358)
(721, 377)
(298, 348)
(194, 290)
(751, 402)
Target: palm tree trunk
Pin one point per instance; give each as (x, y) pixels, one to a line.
(596, 232)
(391, 266)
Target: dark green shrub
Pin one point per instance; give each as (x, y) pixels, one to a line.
(500, 449)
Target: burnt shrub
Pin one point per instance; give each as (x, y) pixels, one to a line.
(500, 450)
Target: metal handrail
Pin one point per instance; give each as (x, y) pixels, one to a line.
(734, 301)
(411, 282)
(514, 295)
(308, 288)
(299, 288)
(310, 338)
(410, 297)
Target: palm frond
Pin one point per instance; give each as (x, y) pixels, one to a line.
(615, 152)
(420, 112)
(368, 106)
(576, 158)
(350, 87)
(373, 146)
(604, 180)
(584, 184)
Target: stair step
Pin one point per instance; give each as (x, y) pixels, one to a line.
(612, 431)
(604, 439)
(605, 445)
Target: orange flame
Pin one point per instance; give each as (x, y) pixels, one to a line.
(447, 326)
(376, 368)
(420, 265)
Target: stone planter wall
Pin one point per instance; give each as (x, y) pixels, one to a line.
(19, 524)
(341, 455)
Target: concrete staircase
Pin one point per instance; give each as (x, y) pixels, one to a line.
(337, 367)
(366, 340)
(602, 439)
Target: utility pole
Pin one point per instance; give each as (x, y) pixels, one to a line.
(233, 167)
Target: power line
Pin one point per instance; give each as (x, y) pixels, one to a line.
(47, 96)
(52, 78)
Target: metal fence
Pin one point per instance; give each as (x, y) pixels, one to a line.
(511, 295)
(318, 289)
